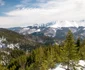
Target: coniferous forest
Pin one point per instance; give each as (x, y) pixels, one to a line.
(46, 57)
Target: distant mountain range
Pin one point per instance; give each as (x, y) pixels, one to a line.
(40, 34)
(56, 29)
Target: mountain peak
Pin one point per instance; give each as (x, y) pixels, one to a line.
(65, 24)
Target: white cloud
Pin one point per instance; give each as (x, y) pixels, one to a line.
(51, 11)
(2, 2)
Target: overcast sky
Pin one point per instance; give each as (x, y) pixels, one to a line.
(28, 12)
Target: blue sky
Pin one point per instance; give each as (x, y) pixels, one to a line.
(11, 5)
(28, 12)
(8, 5)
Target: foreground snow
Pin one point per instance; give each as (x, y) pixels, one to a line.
(81, 63)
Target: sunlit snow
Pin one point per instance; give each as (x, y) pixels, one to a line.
(81, 63)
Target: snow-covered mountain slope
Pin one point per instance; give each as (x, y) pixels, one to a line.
(5, 45)
(56, 29)
(65, 24)
(25, 31)
(11, 39)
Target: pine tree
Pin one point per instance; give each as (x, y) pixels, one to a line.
(82, 50)
(3, 68)
(69, 51)
(78, 43)
(51, 57)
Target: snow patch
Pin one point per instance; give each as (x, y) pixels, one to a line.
(12, 46)
(81, 63)
(83, 28)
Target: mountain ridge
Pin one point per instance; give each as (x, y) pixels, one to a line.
(57, 30)
(56, 24)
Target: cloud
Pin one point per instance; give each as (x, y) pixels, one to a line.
(52, 10)
(2, 2)
(34, 3)
(6, 22)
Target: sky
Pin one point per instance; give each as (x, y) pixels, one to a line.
(14, 13)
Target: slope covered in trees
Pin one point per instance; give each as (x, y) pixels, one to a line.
(46, 57)
(13, 38)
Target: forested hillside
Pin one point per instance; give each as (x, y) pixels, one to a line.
(10, 40)
(45, 57)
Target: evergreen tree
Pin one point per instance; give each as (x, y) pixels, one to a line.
(50, 57)
(69, 51)
(3, 68)
(78, 43)
(16, 53)
(82, 50)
